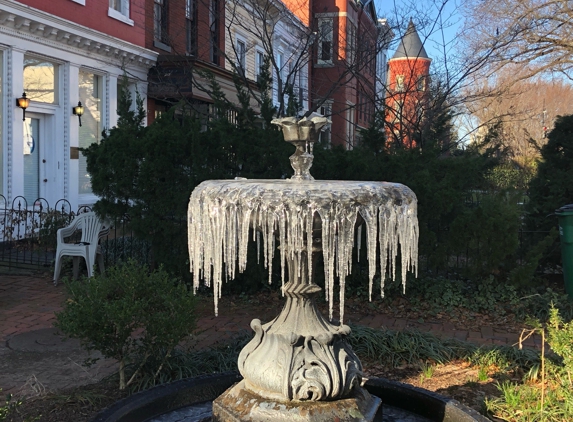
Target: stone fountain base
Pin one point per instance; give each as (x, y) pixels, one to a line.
(191, 394)
(239, 404)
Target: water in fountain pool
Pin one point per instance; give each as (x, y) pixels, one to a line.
(202, 413)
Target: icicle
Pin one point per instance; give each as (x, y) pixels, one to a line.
(358, 242)
(221, 213)
(258, 247)
(309, 227)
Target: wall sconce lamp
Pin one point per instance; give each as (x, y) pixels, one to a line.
(23, 103)
(79, 111)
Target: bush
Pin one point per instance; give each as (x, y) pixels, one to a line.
(149, 172)
(129, 315)
(484, 231)
(552, 187)
(560, 338)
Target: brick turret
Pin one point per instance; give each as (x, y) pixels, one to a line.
(408, 84)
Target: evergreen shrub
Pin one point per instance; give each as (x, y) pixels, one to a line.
(552, 187)
(130, 314)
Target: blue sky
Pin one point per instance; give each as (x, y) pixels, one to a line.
(437, 21)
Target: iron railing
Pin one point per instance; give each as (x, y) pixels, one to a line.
(28, 240)
(28, 234)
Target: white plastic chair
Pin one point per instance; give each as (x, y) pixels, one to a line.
(93, 229)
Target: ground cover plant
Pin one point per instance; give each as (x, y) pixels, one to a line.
(547, 393)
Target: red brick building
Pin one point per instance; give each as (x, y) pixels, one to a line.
(188, 36)
(123, 19)
(407, 90)
(223, 38)
(343, 68)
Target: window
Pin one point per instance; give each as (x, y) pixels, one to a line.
(400, 83)
(119, 9)
(398, 110)
(350, 43)
(41, 80)
(214, 30)
(421, 84)
(325, 35)
(301, 87)
(160, 20)
(380, 61)
(191, 26)
(90, 94)
(121, 6)
(280, 73)
(31, 158)
(259, 63)
(372, 58)
(241, 52)
(350, 127)
(326, 110)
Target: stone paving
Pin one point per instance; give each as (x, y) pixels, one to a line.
(33, 357)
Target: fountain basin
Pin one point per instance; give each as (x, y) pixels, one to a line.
(401, 402)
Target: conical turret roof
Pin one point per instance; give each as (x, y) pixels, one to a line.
(411, 45)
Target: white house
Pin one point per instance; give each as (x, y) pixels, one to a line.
(57, 63)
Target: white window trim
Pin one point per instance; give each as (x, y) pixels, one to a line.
(82, 2)
(112, 13)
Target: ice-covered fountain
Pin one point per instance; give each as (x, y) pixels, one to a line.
(298, 367)
(299, 364)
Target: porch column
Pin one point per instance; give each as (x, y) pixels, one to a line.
(72, 154)
(15, 127)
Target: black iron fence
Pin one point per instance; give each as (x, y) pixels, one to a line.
(28, 234)
(28, 240)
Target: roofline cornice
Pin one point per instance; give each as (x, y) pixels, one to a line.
(28, 23)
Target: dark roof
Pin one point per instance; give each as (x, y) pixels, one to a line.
(411, 45)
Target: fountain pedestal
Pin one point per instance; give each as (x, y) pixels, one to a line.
(298, 366)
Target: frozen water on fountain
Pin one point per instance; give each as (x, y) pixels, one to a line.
(222, 214)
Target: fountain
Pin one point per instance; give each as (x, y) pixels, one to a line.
(298, 366)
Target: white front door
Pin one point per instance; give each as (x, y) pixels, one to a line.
(40, 167)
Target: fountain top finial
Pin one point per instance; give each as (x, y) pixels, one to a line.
(302, 134)
(303, 130)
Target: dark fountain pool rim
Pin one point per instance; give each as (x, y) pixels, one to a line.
(164, 398)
